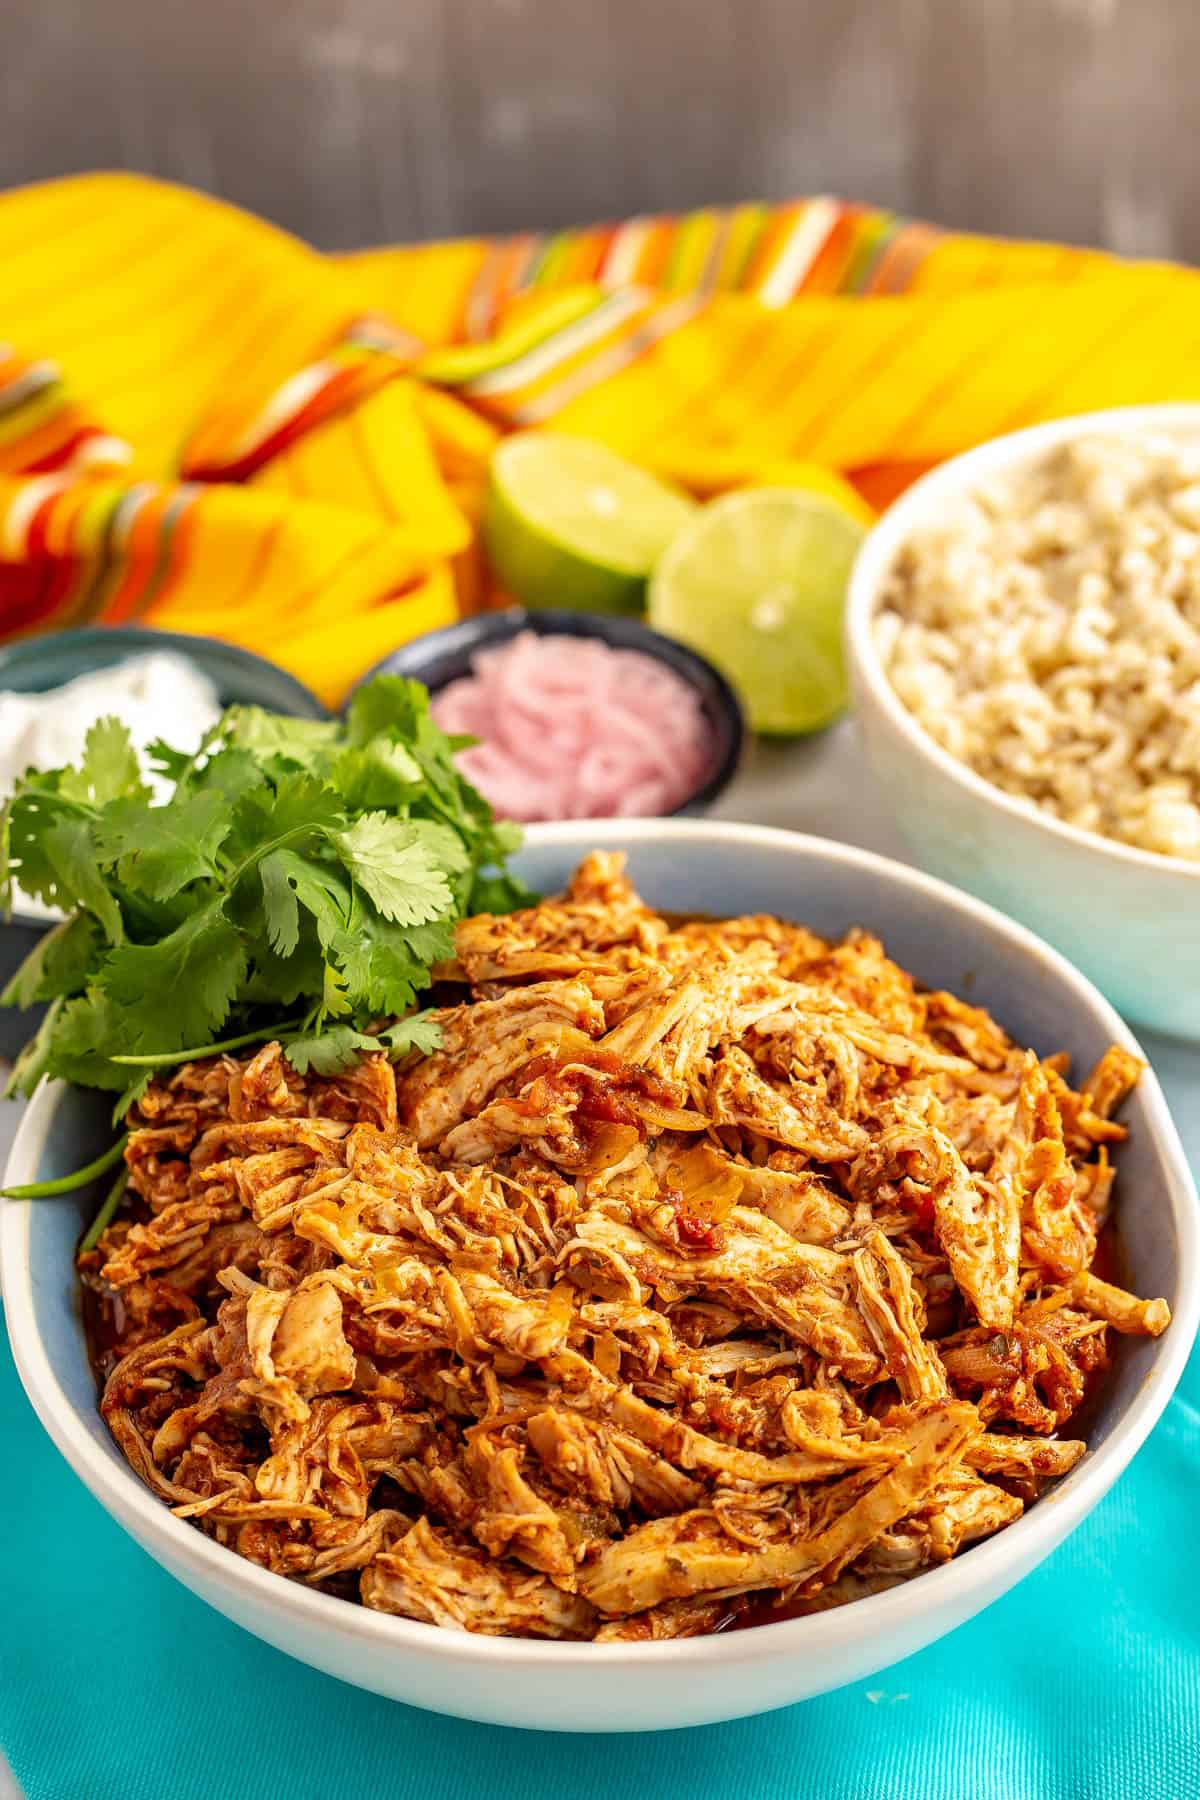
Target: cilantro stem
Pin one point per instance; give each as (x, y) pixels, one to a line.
(168, 1057)
(31, 1064)
(111, 1202)
(257, 855)
(66, 1184)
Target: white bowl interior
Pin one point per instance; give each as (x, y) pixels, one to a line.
(947, 940)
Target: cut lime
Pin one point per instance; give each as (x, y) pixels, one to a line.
(568, 522)
(756, 582)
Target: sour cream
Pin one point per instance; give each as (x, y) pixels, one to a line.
(159, 695)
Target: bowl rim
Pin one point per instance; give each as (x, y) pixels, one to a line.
(478, 630)
(958, 475)
(148, 638)
(964, 1585)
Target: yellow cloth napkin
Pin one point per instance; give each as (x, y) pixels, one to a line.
(208, 426)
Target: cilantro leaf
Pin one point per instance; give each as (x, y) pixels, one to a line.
(444, 844)
(392, 864)
(320, 888)
(329, 1052)
(110, 767)
(385, 969)
(432, 943)
(389, 706)
(231, 773)
(146, 919)
(420, 1031)
(181, 766)
(493, 892)
(164, 759)
(178, 991)
(38, 1055)
(130, 1095)
(271, 734)
(380, 967)
(296, 808)
(78, 882)
(28, 816)
(88, 1032)
(317, 866)
(280, 903)
(281, 981)
(57, 964)
(380, 774)
(335, 992)
(160, 849)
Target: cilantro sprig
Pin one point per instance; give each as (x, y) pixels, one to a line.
(300, 881)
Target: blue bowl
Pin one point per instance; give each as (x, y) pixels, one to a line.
(35, 665)
(444, 656)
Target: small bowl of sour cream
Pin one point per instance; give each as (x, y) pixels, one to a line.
(160, 684)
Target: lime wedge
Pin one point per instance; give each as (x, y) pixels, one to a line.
(570, 523)
(756, 582)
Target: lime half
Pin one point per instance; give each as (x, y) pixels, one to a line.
(568, 522)
(756, 582)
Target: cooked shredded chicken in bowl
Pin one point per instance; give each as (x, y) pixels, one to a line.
(706, 1268)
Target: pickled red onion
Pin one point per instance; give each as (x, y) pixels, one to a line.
(571, 728)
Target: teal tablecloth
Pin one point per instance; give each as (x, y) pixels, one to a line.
(1082, 1684)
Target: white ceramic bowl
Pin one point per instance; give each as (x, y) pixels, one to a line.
(684, 865)
(1129, 918)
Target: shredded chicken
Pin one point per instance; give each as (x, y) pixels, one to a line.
(706, 1273)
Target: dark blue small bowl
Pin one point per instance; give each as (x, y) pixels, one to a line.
(444, 656)
(35, 665)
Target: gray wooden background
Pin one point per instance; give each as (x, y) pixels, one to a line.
(359, 121)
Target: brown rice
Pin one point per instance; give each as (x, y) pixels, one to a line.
(1046, 632)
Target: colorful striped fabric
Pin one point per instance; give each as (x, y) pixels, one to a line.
(775, 254)
(43, 427)
(368, 354)
(207, 425)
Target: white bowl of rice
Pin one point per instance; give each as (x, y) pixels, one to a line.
(1023, 637)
